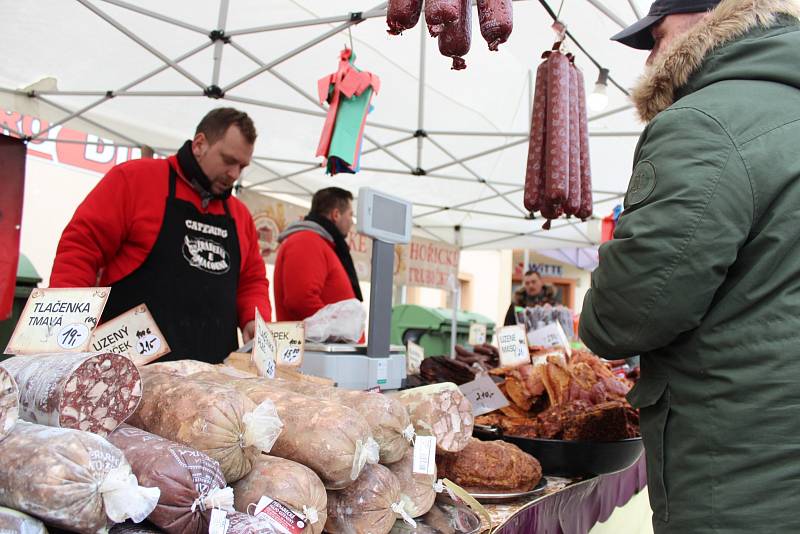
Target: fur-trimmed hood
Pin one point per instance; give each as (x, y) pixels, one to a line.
(731, 19)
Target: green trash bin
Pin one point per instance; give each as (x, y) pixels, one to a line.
(27, 280)
(431, 327)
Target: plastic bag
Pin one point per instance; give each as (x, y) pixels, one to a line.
(341, 322)
(14, 521)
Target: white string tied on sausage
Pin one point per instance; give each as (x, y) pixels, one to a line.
(438, 486)
(124, 498)
(400, 509)
(221, 498)
(262, 426)
(409, 434)
(311, 514)
(365, 453)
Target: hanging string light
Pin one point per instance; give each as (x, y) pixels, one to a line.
(598, 100)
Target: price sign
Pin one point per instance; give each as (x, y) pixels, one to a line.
(477, 334)
(289, 342)
(424, 455)
(414, 356)
(58, 320)
(513, 346)
(134, 334)
(484, 395)
(281, 517)
(552, 335)
(219, 523)
(264, 348)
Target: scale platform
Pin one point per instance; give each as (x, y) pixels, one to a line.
(350, 367)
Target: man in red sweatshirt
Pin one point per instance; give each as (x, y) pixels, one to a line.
(167, 233)
(314, 267)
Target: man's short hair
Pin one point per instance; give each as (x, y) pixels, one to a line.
(328, 199)
(532, 271)
(217, 121)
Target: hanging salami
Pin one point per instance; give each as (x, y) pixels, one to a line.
(496, 21)
(456, 38)
(439, 13)
(402, 15)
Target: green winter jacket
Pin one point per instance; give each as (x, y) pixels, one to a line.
(702, 277)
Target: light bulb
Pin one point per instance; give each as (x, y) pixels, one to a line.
(598, 100)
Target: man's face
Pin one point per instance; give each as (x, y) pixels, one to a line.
(668, 29)
(224, 160)
(533, 284)
(343, 219)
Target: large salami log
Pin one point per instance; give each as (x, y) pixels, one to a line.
(557, 157)
(209, 417)
(12, 521)
(416, 491)
(573, 204)
(455, 38)
(295, 486)
(331, 439)
(441, 12)
(70, 479)
(9, 403)
(534, 172)
(91, 392)
(190, 481)
(586, 208)
(497, 21)
(402, 15)
(371, 505)
(442, 411)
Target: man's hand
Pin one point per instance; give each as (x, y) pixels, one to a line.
(249, 331)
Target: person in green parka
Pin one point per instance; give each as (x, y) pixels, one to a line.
(702, 277)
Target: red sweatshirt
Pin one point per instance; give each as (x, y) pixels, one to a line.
(308, 276)
(116, 226)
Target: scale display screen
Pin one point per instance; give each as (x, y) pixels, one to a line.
(383, 216)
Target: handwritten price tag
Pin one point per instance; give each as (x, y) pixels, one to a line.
(552, 335)
(477, 334)
(264, 349)
(424, 455)
(513, 346)
(58, 320)
(484, 395)
(289, 342)
(414, 356)
(134, 334)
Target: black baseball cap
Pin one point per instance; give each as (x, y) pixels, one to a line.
(638, 35)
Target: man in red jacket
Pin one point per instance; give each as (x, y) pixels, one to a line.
(314, 267)
(167, 233)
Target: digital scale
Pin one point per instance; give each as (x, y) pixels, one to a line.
(387, 220)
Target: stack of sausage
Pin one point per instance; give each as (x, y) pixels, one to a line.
(558, 178)
(450, 21)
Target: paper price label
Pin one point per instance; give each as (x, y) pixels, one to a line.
(484, 395)
(513, 346)
(281, 517)
(58, 320)
(477, 334)
(414, 356)
(219, 523)
(134, 334)
(289, 342)
(264, 348)
(424, 455)
(552, 335)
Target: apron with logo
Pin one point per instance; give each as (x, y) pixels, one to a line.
(188, 281)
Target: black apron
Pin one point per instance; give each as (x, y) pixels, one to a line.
(188, 281)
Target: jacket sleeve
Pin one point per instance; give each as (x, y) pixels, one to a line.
(95, 233)
(673, 247)
(305, 270)
(253, 290)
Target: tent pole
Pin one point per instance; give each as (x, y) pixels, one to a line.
(471, 202)
(378, 11)
(421, 99)
(458, 161)
(158, 16)
(219, 44)
(635, 8)
(608, 13)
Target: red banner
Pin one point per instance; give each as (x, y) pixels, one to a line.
(12, 183)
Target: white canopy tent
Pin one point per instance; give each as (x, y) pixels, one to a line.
(143, 72)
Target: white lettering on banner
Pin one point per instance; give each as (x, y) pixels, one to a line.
(546, 269)
(206, 228)
(99, 150)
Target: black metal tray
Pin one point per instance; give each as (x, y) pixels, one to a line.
(572, 459)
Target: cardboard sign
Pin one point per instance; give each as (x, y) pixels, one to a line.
(58, 320)
(290, 339)
(281, 517)
(424, 455)
(414, 356)
(264, 348)
(484, 395)
(552, 335)
(477, 334)
(134, 334)
(513, 346)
